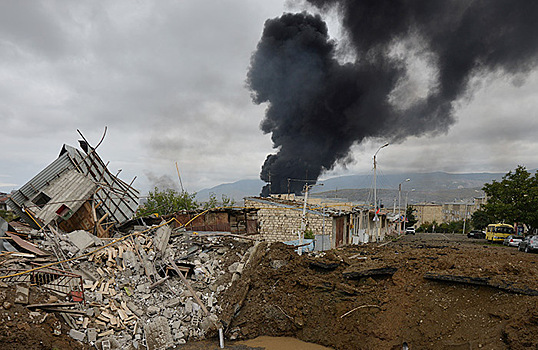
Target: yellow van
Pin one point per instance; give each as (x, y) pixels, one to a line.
(498, 232)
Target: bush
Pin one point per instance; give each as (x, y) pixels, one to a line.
(8, 215)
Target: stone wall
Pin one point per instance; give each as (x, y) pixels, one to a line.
(280, 224)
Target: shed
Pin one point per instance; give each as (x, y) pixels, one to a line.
(76, 191)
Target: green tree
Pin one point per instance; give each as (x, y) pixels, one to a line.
(227, 201)
(514, 198)
(8, 215)
(211, 202)
(169, 201)
(428, 227)
(214, 203)
(455, 226)
(410, 215)
(480, 219)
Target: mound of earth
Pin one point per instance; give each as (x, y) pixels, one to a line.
(427, 291)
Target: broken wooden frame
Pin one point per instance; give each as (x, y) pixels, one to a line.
(78, 180)
(49, 278)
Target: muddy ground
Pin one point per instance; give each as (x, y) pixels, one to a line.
(23, 329)
(310, 298)
(323, 299)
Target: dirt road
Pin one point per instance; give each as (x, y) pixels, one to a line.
(379, 296)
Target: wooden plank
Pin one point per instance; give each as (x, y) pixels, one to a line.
(42, 306)
(27, 245)
(184, 280)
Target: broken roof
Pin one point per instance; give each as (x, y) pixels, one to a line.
(63, 186)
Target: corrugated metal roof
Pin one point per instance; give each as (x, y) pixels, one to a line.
(71, 189)
(120, 200)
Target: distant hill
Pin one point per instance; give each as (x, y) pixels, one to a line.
(436, 187)
(389, 197)
(437, 181)
(235, 190)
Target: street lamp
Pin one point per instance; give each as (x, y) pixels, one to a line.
(399, 206)
(375, 190)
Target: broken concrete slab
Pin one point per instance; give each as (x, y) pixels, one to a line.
(153, 310)
(77, 335)
(158, 335)
(162, 236)
(92, 334)
(81, 239)
(22, 294)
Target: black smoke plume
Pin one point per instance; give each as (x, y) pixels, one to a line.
(318, 107)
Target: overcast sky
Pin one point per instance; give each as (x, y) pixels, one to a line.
(168, 80)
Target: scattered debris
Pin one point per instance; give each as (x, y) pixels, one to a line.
(152, 285)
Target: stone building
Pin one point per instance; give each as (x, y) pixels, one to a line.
(448, 212)
(279, 220)
(427, 213)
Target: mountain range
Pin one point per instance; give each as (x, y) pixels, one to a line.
(421, 187)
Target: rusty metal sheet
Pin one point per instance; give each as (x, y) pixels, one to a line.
(27, 245)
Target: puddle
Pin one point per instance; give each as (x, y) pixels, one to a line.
(282, 343)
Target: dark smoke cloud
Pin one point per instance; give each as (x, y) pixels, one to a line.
(318, 107)
(162, 182)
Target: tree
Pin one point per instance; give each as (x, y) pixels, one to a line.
(514, 198)
(169, 201)
(8, 215)
(455, 226)
(480, 219)
(410, 216)
(213, 203)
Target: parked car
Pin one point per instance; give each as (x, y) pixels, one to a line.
(476, 234)
(513, 240)
(410, 231)
(529, 244)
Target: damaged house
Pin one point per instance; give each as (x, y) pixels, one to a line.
(242, 221)
(279, 220)
(75, 192)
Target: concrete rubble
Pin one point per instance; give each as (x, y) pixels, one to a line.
(134, 299)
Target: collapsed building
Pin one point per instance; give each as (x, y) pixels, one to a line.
(116, 281)
(76, 191)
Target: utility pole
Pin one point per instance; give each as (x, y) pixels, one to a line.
(464, 217)
(303, 219)
(399, 207)
(179, 176)
(376, 219)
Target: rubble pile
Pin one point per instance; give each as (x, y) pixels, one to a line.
(148, 288)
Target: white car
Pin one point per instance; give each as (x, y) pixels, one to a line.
(410, 231)
(513, 240)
